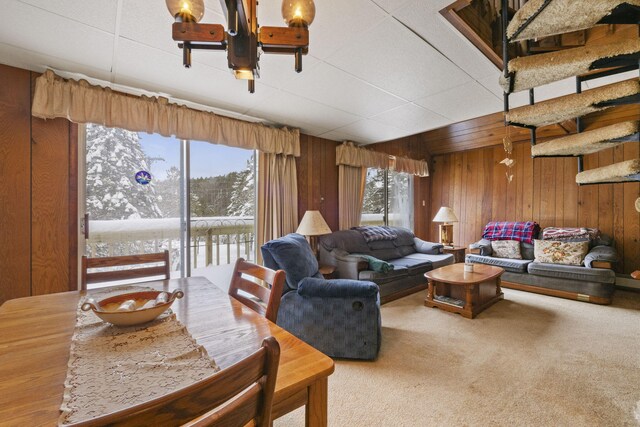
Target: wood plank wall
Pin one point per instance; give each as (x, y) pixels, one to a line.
(317, 175)
(38, 200)
(474, 184)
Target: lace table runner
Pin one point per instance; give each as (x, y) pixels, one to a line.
(113, 367)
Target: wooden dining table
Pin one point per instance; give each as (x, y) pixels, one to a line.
(35, 338)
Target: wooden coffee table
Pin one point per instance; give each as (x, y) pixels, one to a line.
(452, 289)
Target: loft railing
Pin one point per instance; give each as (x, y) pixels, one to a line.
(214, 240)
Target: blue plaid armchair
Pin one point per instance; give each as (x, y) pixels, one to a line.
(339, 317)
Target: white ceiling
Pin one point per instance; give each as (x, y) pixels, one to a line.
(376, 70)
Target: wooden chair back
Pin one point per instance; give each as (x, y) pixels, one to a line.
(235, 396)
(269, 297)
(164, 269)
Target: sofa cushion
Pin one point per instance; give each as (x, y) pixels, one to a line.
(405, 237)
(527, 251)
(292, 254)
(571, 272)
(397, 273)
(413, 265)
(349, 241)
(436, 261)
(372, 233)
(558, 252)
(513, 265)
(506, 249)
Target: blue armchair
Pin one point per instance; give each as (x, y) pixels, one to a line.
(339, 317)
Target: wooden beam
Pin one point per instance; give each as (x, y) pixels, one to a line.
(284, 37)
(194, 32)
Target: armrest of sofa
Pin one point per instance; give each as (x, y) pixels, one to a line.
(481, 247)
(601, 257)
(336, 288)
(428, 248)
(348, 266)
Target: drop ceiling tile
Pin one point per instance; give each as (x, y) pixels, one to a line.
(42, 32)
(429, 24)
(337, 22)
(35, 61)
(390, 5)
(156, 70)
(335, 88)
(369, 131)
(99, 14)
(148, 22)
(278, 71)
(335, 135)
(463, 102)
(289, 109)
(393, 58)
(412, 118)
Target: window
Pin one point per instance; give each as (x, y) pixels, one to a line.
(388, 199)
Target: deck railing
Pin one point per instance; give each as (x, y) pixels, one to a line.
(214, 240)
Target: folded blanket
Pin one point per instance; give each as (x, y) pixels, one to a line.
(372, 233)
(376, 264)
(570, 233)
(521, 231)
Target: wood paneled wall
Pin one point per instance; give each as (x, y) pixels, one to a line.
(38, 185)
(474, 184)
(317, 175)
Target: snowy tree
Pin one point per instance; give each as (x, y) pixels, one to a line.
(243, 192)
(168, 191)
(373, 201)
(114, 156)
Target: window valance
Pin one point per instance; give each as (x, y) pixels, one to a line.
(82, 102)
(348, 154)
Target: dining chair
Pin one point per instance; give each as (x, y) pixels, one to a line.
(161, 258)
(262, 299)
(235, 396)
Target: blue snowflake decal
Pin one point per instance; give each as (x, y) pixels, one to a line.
(143, 177)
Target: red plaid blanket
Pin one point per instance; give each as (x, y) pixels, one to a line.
(521, 231)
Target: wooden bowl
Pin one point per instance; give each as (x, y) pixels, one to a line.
(105, 309)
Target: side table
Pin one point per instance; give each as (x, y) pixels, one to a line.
(328, 271)
(457, 251)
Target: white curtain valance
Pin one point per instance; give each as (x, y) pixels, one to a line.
(411, 166)
(81, 102)
(348, 154)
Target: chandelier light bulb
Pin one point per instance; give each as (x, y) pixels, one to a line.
(186, 10)
(298, 13)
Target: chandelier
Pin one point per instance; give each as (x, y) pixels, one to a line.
(243, 35)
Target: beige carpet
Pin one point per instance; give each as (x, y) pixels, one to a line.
(528, 360)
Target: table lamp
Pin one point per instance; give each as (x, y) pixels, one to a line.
(313, 224)
(446, 215)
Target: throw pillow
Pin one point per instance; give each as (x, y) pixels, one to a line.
(506, 249)
(558, 252)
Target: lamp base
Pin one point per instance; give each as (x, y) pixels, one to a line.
(446, 234)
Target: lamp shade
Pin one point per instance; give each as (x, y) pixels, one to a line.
(313, 224)
(298, 13)
(445, 214)
(187, 10)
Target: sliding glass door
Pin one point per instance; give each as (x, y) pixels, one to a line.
(136, 199)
